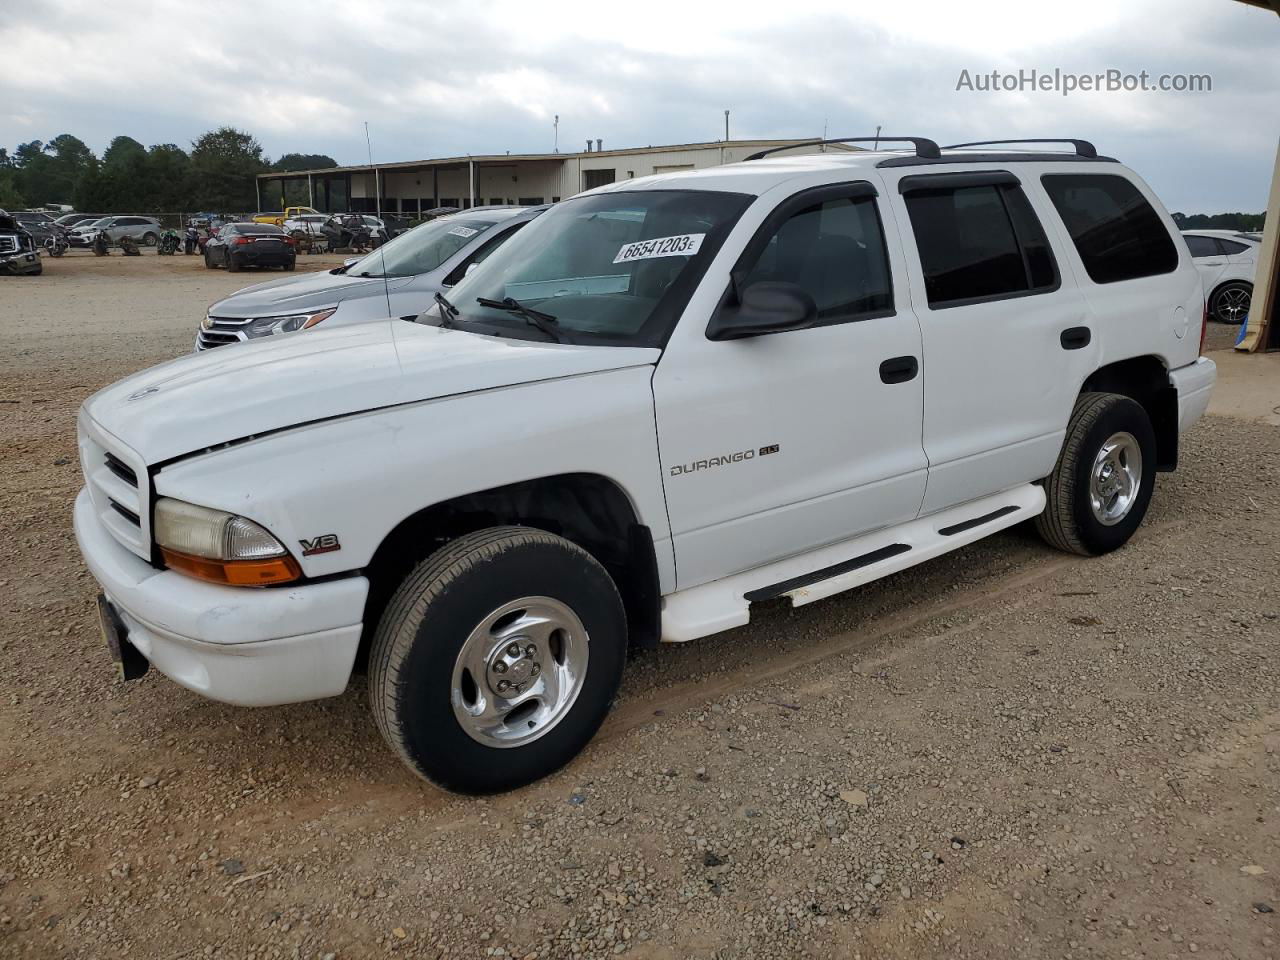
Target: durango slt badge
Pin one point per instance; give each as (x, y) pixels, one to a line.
(740, 457)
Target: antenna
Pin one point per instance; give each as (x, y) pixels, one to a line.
(386, 284)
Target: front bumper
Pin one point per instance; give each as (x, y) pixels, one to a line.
(1194, 384)
(252, 646)
(25, 261)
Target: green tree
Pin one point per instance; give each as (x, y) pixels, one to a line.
(168, 176)
(303, 161)
(122, 153)
(224, 163)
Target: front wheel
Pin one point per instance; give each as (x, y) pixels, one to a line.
(1101, 486)
(150, 239)
(497, 659)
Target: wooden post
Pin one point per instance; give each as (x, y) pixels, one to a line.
(1266, 297)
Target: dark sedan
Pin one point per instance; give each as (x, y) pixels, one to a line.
(239, 245)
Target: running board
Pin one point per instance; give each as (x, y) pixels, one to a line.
(725, 604)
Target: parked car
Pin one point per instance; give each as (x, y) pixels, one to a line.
(399, 279)
(239, 245)
(665, 400)
(42, 227)
(289, 213)
(1227, 261)
(144, 230)
(19, 253)
(305, 225)
(69, 221)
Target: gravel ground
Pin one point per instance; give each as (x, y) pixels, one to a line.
(1006, 752)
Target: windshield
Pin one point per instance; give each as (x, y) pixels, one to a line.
(609, 268)
(422, 249)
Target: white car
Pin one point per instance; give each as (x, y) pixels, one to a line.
(308, 224)
(662, 401)
(1227, 261)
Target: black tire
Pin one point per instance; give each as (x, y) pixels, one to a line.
(290, 265)
(427, 623)
(208, 261)
(233, 265)
(150, 239)
(1069, 521)
(37, 271)
(1230, 302)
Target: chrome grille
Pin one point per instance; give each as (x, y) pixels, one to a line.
(219, 331)
(117, 481)
(8, 244)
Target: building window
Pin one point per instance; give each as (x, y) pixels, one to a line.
(979, 242)
(1117, 233)
(409, 205)
(597, 178)
(555, 199)
(529, 201)
(448, 201)
(495, 202)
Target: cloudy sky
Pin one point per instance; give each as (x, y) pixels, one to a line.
(450, 77)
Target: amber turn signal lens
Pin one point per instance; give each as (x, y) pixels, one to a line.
(234, 573)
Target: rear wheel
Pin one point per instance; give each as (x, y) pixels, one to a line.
(1230, 302)
(290, 264)
(150, 238)
(497, 659)
(233, 265)
(1101, 486)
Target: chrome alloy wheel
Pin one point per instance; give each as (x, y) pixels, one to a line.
(1233, 304)
(1115, 478)
(519, 672)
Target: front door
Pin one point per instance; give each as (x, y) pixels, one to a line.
(777, 444)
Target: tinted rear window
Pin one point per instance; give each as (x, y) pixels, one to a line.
(1202, 246)
(1117, 232)
(1231, 246)
(253, 228)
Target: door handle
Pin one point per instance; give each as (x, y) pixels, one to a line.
(1074, 338)
(1211, 263)
(899, 369)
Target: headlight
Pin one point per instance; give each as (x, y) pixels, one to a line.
(267, 326)
(220, 547)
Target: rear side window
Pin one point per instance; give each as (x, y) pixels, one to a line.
(979, 242)
(1234, 248)
(1202, 246)
(1117, 232)
(835, 252)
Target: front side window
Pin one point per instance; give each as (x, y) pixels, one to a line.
(835, 252)
(422, 249)
(1117, 233)
(979, 242)
(614, 268)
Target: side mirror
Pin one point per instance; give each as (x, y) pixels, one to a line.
(350, 262)
(764, 307)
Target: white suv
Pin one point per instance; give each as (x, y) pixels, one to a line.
(661, 402)
(1227, 261)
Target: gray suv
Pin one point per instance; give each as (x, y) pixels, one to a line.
(399, 279)
(145, 230)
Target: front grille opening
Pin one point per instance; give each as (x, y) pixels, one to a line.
(121, 469)
(126, 513)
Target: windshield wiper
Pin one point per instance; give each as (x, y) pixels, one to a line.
(447, 311)
(535, 318)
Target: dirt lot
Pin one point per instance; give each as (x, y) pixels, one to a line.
(1006, 752)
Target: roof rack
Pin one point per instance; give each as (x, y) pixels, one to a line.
(1083, 147)
(925, 149)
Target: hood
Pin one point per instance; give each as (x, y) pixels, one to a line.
(218, 396)
(302, 293)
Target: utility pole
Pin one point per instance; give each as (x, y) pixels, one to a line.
(557, 129)
(876, 145)
(726, 125)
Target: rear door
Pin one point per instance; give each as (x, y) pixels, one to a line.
(1006, 334)
(774, 445)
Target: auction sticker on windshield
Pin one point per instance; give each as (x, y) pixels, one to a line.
(685, 245)
(464, 232)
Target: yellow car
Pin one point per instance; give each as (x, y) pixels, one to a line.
(279, 218)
